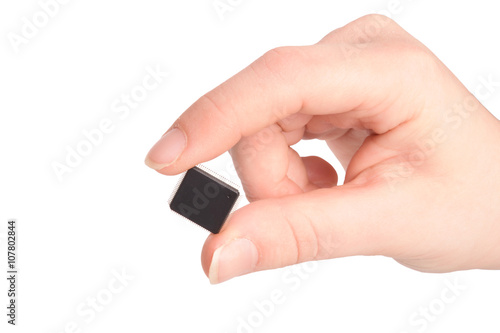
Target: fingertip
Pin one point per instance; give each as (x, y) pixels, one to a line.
(248, 243)
(207, 253)
(231, 252)
(167, 150)
(225, 258)
(153, 165)
(234, 258)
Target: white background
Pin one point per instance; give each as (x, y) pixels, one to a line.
(110, 214)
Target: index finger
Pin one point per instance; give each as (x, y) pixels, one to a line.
(316, 79)
(258, 96)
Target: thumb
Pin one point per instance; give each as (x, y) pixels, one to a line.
(321, 224)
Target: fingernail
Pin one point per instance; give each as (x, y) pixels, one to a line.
(167, 150)
(238, 257)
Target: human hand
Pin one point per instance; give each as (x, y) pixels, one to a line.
(422, 157)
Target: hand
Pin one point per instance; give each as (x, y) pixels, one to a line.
(422, 157)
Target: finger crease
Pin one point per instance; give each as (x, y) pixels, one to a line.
(292, 230)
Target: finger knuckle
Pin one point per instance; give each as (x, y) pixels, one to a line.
(281, 62)
(370, 28)
(417, 62)
(377, 19)
(376, 23)
(219, 108)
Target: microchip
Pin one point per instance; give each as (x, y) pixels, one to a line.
(204, 199)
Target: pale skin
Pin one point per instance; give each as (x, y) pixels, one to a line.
(421, 155)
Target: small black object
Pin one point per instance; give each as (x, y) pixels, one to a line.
(204, 199)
